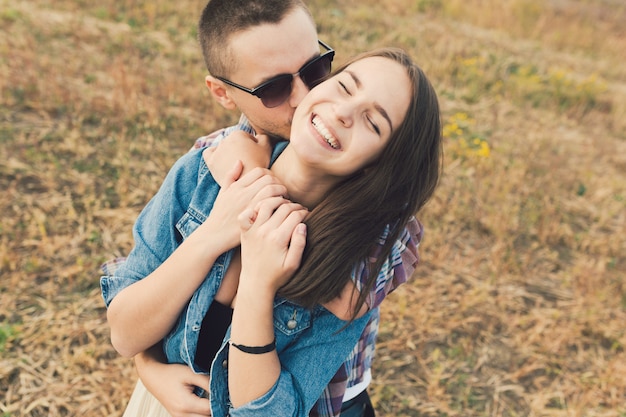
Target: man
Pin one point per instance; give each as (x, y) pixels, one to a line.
(263, 56)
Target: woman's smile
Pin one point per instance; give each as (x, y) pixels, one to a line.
(325, 132)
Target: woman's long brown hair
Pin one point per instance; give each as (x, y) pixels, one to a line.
(343, 230)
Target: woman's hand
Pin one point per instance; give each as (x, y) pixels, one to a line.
(273, 238)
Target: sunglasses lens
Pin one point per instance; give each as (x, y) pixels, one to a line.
(317, 70)
(276, 91)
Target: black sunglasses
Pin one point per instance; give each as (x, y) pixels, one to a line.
(277, 90)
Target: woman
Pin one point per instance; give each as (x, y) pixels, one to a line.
(365, 147)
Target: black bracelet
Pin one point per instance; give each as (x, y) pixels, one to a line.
(255, 350)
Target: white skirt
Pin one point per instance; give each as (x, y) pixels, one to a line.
(144, 404)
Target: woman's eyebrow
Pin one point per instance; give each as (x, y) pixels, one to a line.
(377, 106)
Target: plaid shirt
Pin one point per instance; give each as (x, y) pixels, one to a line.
(394, 272)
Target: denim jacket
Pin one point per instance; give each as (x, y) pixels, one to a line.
(311, 343)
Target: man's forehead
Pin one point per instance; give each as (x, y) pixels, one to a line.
(267, 56)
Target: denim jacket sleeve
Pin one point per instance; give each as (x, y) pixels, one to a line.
(154, 232)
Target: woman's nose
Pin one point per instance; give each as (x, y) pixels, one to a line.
(344, 111)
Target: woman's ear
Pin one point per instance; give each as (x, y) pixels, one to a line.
(219, 92)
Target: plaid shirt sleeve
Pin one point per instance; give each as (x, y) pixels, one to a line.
(395, 271)
(397, 268)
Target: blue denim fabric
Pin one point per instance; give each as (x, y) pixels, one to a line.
(310, 352)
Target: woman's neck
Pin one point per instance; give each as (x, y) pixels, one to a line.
(305, 184)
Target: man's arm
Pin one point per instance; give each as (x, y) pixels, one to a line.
(172, 384)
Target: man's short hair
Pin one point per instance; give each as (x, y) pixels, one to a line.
(223, 18)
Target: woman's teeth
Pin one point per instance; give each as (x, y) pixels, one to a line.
(322, 130)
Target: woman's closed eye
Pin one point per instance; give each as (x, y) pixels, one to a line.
(373, 124)
(345, 88)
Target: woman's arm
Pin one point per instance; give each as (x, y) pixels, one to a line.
(272, 242)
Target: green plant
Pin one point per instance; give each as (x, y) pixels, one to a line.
(463, 141)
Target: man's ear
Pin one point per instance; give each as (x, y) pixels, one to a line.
(219, 92)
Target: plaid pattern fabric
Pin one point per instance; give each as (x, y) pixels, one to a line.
(396, 269)
(394, 272)
(350, 373)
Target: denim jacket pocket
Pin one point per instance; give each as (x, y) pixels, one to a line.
(290, 318)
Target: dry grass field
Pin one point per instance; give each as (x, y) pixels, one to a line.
(519, 305)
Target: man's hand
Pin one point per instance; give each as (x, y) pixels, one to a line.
(252, 151)
(173, 384)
